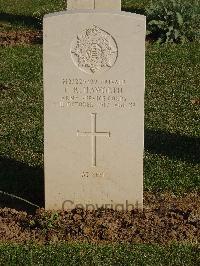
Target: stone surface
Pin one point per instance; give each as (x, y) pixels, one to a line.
(109, 4)
(94, 4)
(80, 4)
(94, 109)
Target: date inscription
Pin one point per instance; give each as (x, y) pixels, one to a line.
(93, 93)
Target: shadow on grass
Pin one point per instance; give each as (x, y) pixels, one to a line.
(174, 146)
(133, 9)
(26, 21)
(22, 181)
(28, 182)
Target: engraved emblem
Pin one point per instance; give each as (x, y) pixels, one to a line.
(94, 50)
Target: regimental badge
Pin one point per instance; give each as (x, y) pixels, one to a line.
(94, 50)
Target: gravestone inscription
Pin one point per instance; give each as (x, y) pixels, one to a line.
(94, 108)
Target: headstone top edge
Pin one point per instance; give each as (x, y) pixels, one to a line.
(94, 4)
(89, 11)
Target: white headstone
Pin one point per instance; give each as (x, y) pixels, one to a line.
(94, 109)
(94, 4)
(80, 4)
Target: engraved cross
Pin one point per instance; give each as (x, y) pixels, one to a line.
(93, 134)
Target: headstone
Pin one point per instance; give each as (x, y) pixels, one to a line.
(94, 108)
(109, 4)
(80, 4)
(94, 4)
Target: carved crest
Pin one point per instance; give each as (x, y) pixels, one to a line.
(94, 50)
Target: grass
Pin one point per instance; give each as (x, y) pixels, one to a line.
(82, 254)
(41, 7)
(171, 121)
(31, 8)
(171, 138)
(172, 82)
(21, 104)
(21, 108)
(27, 14)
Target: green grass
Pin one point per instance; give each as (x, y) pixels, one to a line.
(21, 127)
(171, 121)
(172, 74)
(41, 7)
(82, 254)
(25, 14)
(135, 6)
(31, 7)
(172, 136)
(21, 104)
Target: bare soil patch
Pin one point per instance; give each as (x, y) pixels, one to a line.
(165, 219)
(11, 38)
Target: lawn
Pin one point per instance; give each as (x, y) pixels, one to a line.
(171, 120)
(76, 254)
(25, 14)
(172, 137)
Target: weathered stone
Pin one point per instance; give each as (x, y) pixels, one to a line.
(94, 4)
(80, 4)
(109, 4)
(94, 109)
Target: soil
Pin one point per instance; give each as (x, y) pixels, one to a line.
(11, 38)
(165, 219)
